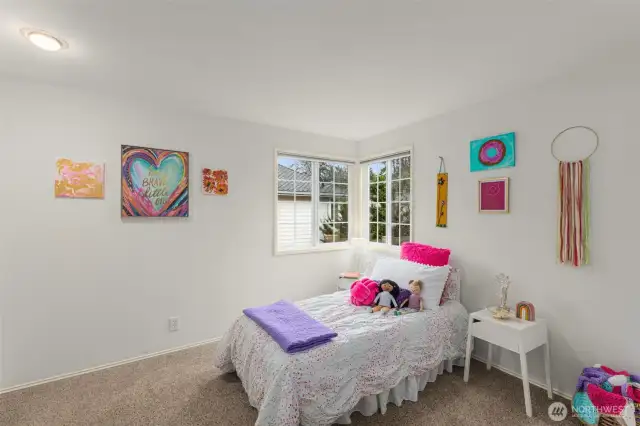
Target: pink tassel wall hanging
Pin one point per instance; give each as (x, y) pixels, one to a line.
(574, 208)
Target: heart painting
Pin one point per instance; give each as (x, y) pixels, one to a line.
(155, 182)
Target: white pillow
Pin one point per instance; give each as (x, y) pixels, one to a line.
(402, 272)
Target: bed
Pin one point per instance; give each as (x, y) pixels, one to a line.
(376, 359)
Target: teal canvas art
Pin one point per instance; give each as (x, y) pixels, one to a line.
(494, 152)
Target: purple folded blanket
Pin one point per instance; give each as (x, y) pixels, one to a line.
(291, 328)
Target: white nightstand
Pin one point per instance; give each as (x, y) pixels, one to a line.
(518, 336)
(344, 283)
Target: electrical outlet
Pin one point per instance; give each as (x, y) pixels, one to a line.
(174, 324)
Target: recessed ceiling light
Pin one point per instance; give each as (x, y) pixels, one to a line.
(44, 40)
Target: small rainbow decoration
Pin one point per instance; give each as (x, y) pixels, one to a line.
(526, 311)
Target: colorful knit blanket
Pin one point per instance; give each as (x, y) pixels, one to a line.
(602, 390)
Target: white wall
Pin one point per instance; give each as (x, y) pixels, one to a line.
(79, 286)
(592, 311)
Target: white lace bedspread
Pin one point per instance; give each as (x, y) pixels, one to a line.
(372, 353)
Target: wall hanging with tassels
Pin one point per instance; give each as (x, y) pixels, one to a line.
(443, 193)
(574, 206)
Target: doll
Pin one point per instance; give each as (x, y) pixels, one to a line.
(385, 299)
(415, 300)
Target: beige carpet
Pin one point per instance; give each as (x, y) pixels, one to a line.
(184, 389)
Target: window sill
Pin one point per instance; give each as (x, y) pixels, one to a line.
(382, 247)
(321, 249)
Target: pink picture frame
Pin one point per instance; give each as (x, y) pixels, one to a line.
(493, 195)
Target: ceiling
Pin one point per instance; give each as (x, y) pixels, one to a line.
(345, 68)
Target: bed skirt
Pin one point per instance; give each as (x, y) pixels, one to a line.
(406, 390)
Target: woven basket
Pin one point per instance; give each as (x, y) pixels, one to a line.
(606, 420)
(610, 421)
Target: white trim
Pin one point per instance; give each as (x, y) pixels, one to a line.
(317, 249)
(517, 375)
(315, 203)
(389, 201)
(315, 157)
(106, 366)
(389, 155)
(355, 227)
(412, 201)
(363, 197)
(1, 352)
(382, 247)
(275, 201)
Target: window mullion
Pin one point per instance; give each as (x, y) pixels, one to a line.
(295, 211)
(332, 212)
(315, 196)
(365, 203)
(389, 203)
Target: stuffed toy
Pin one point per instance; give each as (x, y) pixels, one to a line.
(386, 298)
(363, 292)
(415, 300)
(403, 296)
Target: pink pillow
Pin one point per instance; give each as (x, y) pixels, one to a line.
(363, 292)
(424, 254)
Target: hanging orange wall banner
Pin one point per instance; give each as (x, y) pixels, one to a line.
(443, 194)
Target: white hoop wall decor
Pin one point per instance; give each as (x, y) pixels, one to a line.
(574, 205)
(574, 128)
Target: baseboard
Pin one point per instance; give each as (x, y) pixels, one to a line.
(108, 365)
(519, 376)
(214, 340)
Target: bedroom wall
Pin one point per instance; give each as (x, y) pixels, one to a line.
(80, 286)
(591, 311)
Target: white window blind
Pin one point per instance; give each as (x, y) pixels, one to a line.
(312, 202)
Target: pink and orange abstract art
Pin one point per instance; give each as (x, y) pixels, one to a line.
(215, 182)
(79, 180)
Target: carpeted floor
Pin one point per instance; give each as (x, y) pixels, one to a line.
(183, 389)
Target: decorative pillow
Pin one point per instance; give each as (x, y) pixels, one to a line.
(403, 271)
(424, 254)
(363, 292)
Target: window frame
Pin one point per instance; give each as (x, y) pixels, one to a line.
(365, 194)
(315, 198)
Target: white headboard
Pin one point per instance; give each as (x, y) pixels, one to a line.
(374, 252)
